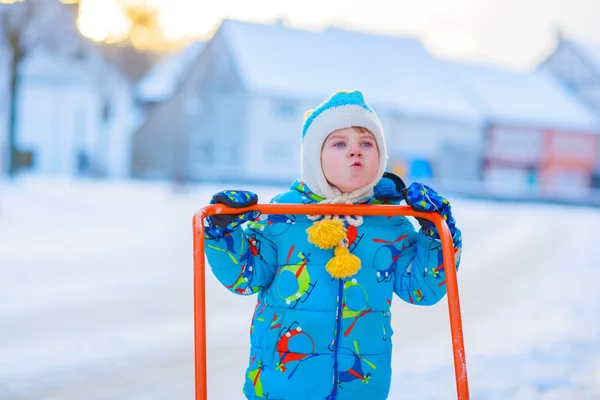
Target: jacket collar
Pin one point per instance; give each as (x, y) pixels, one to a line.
(389, 188)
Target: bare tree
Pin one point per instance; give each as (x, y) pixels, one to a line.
(26, 26)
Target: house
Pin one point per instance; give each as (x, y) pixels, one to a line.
(168, 94)
(75, 116)
(539, 136)
(4, 105)
(164, 78)
(75, 110)
(576, 64)
(245, 97)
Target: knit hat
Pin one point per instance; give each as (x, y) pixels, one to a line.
(343, 109)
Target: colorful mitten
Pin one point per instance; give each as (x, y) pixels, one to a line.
(422, 198)
(219, 225)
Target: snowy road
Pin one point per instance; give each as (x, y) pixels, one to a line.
(96, 300)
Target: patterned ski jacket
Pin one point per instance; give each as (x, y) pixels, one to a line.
(314, 336)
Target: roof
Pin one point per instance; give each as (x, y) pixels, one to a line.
(162, 80)
(56, 69)
(589, 50)
(521, 98)
(396, 73)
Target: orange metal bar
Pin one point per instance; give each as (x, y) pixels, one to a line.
(460, 364)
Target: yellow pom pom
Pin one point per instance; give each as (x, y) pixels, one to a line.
(343, 264)
(326, 233)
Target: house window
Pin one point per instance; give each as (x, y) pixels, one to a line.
(83, 163)
(192, 105)
(277, 153)
(286, 108)
(106, 112)
(205, 152)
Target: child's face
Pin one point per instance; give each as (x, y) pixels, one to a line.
(350, 158)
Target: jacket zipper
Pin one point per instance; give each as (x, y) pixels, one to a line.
(338, 330)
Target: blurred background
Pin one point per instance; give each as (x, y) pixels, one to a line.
(120, 118)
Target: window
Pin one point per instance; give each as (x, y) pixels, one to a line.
(286, 108)
(278, 153)
(204, 152)
(515, 145)
(106, 112)
(83, 164)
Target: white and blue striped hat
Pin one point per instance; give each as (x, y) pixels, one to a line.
(341, 110)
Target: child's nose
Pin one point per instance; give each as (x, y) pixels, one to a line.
(354, 151)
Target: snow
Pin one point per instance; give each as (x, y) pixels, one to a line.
(590, 50)
(44, 66)
(96, 299)
(277, 60)
(541, 101)
(161, 81)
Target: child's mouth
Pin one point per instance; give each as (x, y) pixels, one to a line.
(356, 164)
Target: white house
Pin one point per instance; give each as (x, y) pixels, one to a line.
(75, 115)
(539, 135)
(75, 110)
(250, 87)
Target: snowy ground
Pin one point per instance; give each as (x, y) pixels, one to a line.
(96, 300)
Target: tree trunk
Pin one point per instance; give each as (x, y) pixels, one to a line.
(14, 84)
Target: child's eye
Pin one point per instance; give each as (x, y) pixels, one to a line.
(367, 144)
(339, 144)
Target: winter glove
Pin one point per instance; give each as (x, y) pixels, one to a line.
(219, 225)
(422, 198)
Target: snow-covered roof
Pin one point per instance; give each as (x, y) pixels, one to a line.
(396, 73)
(589, 50)
(525, 99)
(162, 80)
(44, 65)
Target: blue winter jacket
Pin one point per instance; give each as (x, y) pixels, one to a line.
(313, 336)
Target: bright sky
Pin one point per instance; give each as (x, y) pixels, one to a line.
(513, 33)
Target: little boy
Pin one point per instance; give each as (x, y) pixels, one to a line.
(321, 327)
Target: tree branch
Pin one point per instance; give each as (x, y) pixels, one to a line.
(45, 23)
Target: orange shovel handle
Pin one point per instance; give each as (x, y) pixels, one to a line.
(460, 365)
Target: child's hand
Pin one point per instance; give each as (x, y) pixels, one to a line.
(422, 198)
(219, 225)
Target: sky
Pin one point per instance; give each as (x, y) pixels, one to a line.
(512, 33)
